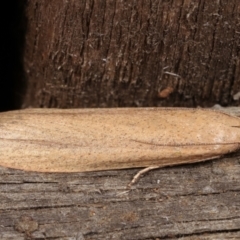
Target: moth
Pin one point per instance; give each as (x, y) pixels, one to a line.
(81, 140)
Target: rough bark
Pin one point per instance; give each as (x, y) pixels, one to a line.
(125, 53)
(198, 201)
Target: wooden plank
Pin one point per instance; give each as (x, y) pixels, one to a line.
(124, 53)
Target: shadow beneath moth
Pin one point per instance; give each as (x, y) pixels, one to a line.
(81, 140)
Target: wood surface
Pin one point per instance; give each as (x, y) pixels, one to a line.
(198, 201)
(121, 53)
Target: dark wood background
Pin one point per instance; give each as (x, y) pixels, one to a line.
(112, 53)
(119, 53)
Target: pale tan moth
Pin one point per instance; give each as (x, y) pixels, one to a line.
(80, 140)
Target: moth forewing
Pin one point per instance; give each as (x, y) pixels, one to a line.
(79, 140)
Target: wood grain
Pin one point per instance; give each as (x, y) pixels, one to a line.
(119, 53)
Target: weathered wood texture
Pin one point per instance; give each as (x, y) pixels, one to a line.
(199, 201)
(123, 53)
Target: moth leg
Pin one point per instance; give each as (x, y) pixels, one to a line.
(147, 169)
(140, 173)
